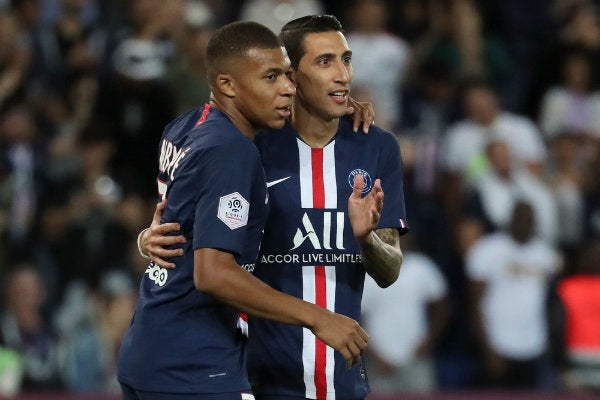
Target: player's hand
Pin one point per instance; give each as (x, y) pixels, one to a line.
(155, 239)
(362, 112)
(343, 334)
(364, 212)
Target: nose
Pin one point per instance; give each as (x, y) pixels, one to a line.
(343, 73)
(289, 89)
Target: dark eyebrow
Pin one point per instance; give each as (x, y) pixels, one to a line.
(277, 71)
(332, 55)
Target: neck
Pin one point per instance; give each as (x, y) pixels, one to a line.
(314, 130)
(236, 117)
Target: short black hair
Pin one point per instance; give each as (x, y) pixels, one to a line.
(234, 40)
(292, 34)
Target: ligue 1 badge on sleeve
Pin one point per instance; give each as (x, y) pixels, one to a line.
(366, 177)
(233, 210)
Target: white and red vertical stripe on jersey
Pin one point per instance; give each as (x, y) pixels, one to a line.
(318, 287)
(318, 189)
(318, 186)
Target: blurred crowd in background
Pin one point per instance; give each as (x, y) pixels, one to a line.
(496, 106)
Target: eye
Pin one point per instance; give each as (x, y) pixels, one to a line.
(323, 61)
(271, 77)
(348, 59)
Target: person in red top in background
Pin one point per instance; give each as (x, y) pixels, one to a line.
(580, 298)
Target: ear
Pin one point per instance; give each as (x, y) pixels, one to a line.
(225, 85)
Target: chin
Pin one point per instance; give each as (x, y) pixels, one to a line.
(277, 124)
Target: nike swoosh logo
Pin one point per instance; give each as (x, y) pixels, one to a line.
(273, 183)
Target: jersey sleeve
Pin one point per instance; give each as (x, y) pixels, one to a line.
(217, 184)
(393, 214)
(224, 205)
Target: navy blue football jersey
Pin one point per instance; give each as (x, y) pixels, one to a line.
(309, 251)
(180, 339)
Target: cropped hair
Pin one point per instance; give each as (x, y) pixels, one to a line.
(234, 40)
(293, 33)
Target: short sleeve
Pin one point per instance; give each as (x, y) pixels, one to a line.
(393, 214)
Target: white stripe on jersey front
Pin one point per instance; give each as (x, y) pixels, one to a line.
(306, 175)
(309, 348)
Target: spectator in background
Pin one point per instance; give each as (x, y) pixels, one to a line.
(133, 97)
(509, 273)
(579, 294)
(502, 185)
(91, 341)
(464, 157)
(591, 193)
(275, 13)
(137, 104)
(428, 109)
(564, 173)
(22, 180)
(68, 48)
(572, 106)
(25, 328)
(187, 76)
(577, 30)
(15, 58)
(93, 239)
(405, 321)
(379, 57)
(456, 37)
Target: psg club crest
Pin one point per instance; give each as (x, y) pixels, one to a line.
(233, 210)
(366, 177)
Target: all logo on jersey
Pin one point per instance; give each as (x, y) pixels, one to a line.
(307, 232)
(366, 177)
(233, 210)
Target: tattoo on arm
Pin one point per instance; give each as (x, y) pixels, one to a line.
(382, 258)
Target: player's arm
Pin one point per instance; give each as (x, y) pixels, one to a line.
(382, 256)
(380, 248)
(217, 273)
(153, 241)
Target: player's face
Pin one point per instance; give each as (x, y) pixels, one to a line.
(263, 88)
(325, 74)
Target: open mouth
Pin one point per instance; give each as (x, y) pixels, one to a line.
(284, 111)
(339, 96)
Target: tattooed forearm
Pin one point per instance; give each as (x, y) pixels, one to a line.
(382, 257)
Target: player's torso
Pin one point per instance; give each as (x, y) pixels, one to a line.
(177, 327)
(309, 251)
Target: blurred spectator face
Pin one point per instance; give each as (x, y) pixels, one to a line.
(469, 231)
(9, 32)
(196, 44)
(28, 11)
(576, 73)
(564, 149)
(498, 154)
(481, 105)
(522, 223)
(25, 291)
(18, 126)
(369, 16)
(143, 11)
(72, 6)
(582, 27)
